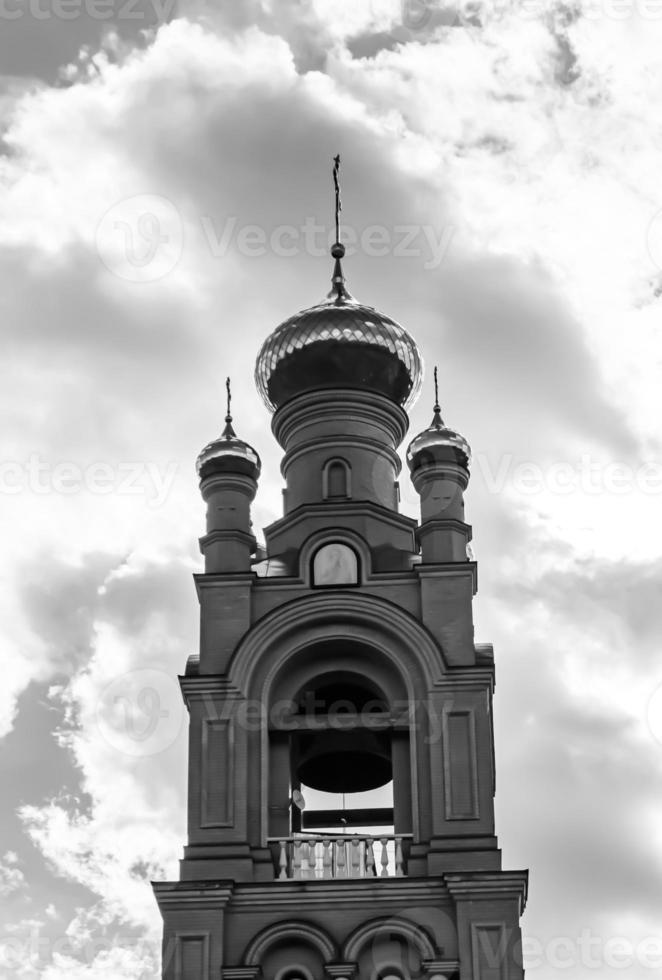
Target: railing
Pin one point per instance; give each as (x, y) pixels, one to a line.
(350, 856)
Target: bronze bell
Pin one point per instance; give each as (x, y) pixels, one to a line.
(345, 761)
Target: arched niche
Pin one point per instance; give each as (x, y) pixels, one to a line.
(336, 479)
(334, 564)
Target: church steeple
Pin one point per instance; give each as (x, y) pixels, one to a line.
(229, 470)
(439, 460)
(341, 765)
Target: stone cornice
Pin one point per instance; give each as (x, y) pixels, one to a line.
(456, 569)
(476, 678)
(369, 406)
(443, 524)
(473, 886)
(348, 893)
(198, 895)
(228, 534)
(208, 685)
(347, 508)
(211, 580)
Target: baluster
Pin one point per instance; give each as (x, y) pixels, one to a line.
(399, 872)
(314, 854)
(282, 860)
(369, 858)
(355, 858)
(341, 870)
(296, 859)
(384, 857)
(307, 865)
(327, 858)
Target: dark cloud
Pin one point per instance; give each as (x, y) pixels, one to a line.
(36, 40)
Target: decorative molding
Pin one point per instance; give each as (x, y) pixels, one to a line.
(315, 613)
(217, 747)
(477, 885)
(241, 972)
(453, 773)
(341, 971)
(494, 970)
(329, 510)
(390, 925)
(356, 893)
(440, 969)
(218, 687)
(202, 967)
(290, 929)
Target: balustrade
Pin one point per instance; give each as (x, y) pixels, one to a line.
(312, 857)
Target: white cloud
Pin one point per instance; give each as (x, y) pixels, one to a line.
(11, 877)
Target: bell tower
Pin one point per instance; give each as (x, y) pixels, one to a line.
(341, 757)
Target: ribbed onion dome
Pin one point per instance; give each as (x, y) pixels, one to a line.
(438, 444)
(339, 344)
(228, 454)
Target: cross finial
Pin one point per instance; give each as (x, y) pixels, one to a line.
(336, 184)
(228, 431)
(338, 292)
(437, 420)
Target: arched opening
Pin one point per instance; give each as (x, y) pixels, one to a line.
(340, 756)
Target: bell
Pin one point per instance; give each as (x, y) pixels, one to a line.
(345, 761)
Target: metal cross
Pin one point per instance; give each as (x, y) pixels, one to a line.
(336, 184)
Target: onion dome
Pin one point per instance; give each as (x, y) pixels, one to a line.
(438, 443)
(339, 344)
(228, 453)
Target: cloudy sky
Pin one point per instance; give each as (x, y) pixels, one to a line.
(166, 202)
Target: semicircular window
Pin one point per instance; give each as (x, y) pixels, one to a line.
(335, 564)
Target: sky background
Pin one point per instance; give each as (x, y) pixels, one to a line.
(166, 202)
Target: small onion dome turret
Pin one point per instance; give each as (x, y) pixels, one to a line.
(339, 344)
(438, 444)
(228, 453)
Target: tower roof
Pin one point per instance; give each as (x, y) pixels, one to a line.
(339, 343)
(437, 443)
(228, 453)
